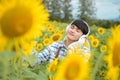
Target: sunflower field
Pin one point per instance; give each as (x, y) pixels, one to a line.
(25, 26)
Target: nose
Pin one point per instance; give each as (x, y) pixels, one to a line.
(72, 30)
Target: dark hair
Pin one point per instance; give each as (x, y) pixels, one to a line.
(83, 26)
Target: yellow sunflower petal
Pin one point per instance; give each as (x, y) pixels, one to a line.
(113, 57)
(25, 19)
(73, 67)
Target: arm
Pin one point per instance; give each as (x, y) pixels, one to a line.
(46, 55)
(42, 56)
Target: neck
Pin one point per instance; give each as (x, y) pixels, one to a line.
(68, 42)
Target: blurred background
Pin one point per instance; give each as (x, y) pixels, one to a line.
(104, 13)
(29, 26)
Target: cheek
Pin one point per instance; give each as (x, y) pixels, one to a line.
(78, 36)
(73, 37)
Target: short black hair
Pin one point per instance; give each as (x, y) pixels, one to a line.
(83, 26)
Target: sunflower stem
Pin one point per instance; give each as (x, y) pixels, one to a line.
(99, 61)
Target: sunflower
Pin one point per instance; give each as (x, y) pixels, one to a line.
(91, 37)
(103, 48)
(101, 30)
(53, 65)
(95, 42)
(25, 19)
(102, 73)
(51, 29)
(46, 41)
(73, 67)
(39, 46)
(113, 57)
(56, 37)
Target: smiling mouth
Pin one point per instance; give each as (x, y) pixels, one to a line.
(71, 34)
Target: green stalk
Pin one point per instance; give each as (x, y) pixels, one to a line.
(99, 61)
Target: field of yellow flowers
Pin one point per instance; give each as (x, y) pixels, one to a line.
(24, 27)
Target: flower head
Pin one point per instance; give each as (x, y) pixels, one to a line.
(21, 22)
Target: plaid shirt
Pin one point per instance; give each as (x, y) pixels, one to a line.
(49, 53)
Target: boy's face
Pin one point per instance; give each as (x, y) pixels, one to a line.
(74, 33)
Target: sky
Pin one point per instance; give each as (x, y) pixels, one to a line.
(105, 9)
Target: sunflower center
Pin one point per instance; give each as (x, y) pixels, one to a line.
(95, 43)
(101, 31)
(103, 48)
(72, 71)
(46, 41)
(16, 22)
(116, 57)
(56, 37)
(39, 47)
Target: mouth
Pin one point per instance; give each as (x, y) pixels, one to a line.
(71, 34)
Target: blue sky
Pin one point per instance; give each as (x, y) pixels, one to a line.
(106, 9)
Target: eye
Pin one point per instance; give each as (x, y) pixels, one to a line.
(78, 30)
(72, 26)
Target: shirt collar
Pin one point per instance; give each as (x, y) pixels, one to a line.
(63, 44)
